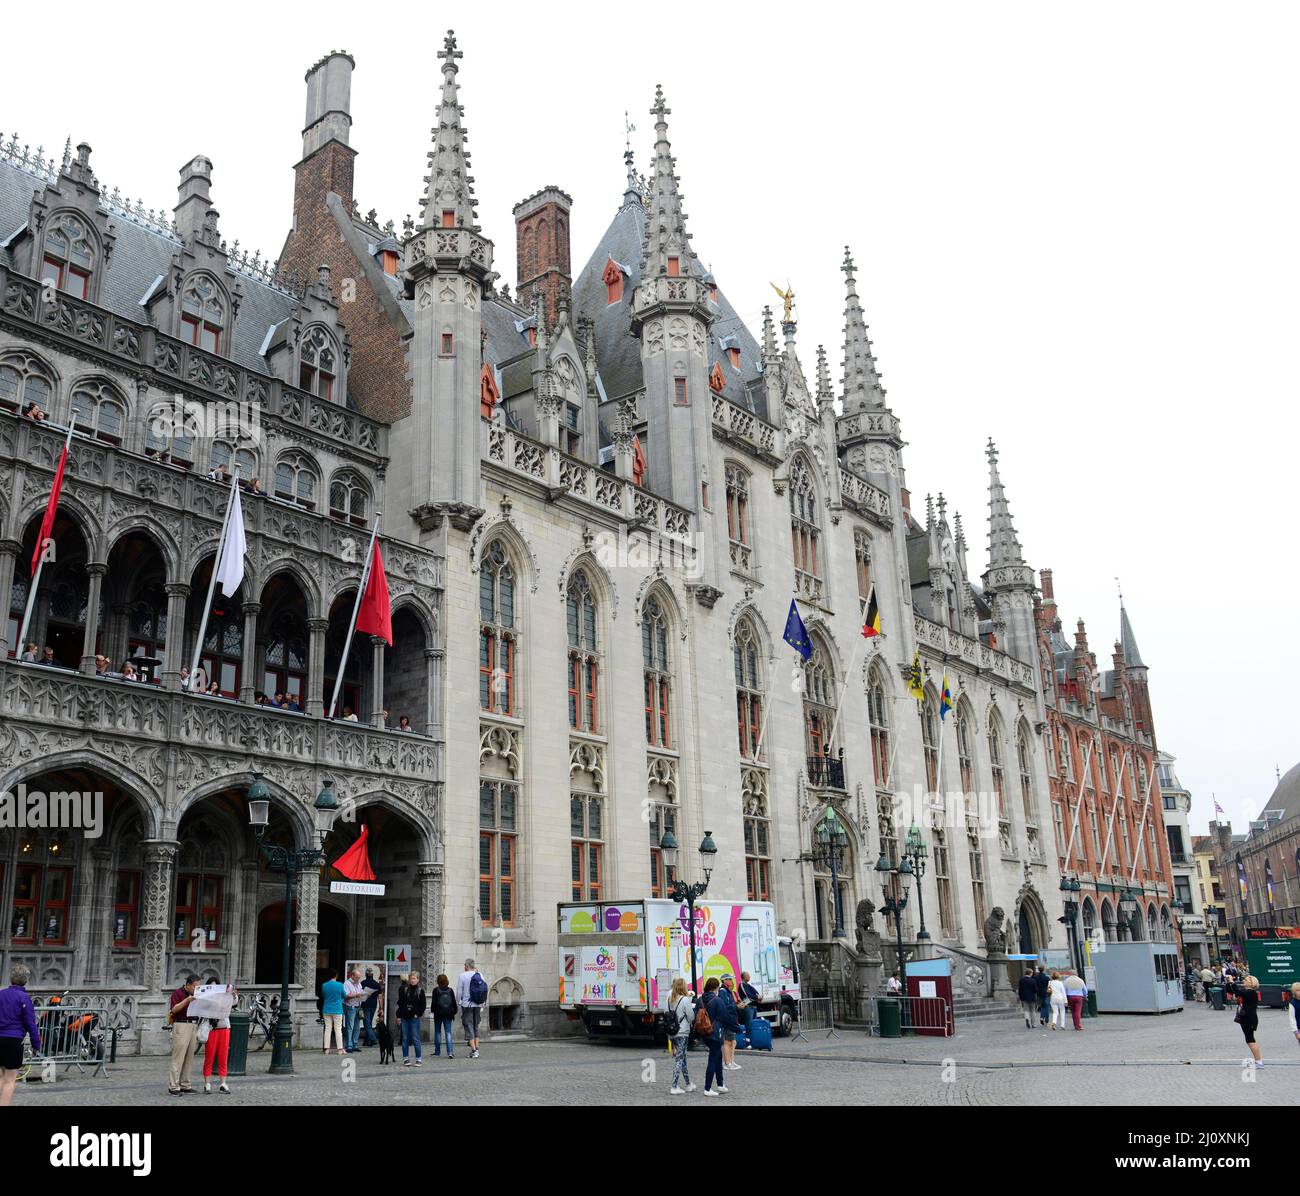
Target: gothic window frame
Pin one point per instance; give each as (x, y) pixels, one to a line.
(167, 442)
(805, 529)
(498, 631)
(657, 673)
(878, 704)
(737, 487)
(942, 856)
(499, 838)
(66, 265)
(33, 382)
(978, 874)
(818, 698)
(310, 372)
(747, 670)
(862, 564)
(222, 653)
(228, 454)
(997, 768)
(99, 397)
(1025, 764)
(202, 315)
(931, 730)
(586, 846)
(757, 822)
(583, 635)
(354, 492)
(963, 718)
(300, 465)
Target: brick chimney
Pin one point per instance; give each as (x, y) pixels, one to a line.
(542, 249)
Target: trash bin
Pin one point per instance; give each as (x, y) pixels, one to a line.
(1090, 1006)
(237, 1053)
(1189, 991)
(891, 1020)
(1216, 996)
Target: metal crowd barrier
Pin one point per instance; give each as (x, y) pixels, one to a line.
(816, 1014)
(72, 1035)
(923, 1015)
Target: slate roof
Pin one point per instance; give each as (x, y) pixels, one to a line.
(140, 255)
(1286, 797)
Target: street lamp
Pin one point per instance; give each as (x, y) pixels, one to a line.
(832, 842)
(1212, 921)
(914, 855)
(290, 861)
(1070, 886)
(893, 907)
(689, 893)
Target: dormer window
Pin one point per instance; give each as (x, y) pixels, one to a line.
(733, 357)
(388, 260)
(488, 392)
(448, 217)
(570, 433)
(717, 383)
(69, 256)
(713, 292)
(613, 280)
(446, 344)
(203, 314)
(674, 267)
(317, 364)
(531, 334)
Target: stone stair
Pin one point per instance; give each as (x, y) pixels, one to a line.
(966, 1009)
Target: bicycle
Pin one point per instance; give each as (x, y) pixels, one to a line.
(261, 1022)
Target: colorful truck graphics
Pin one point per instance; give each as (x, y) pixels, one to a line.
(618, 959)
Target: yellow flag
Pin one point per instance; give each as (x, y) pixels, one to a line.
(915, 680)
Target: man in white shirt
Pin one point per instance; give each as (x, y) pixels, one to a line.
(471, 1007)
(354, 992)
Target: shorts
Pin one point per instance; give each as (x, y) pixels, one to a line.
(728, 1035)
(11, 1053)
(1248, 1029)
(469, 1015)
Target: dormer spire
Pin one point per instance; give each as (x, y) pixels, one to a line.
(667, 244)
(1004, 545)
(449, 190)
(862, 388)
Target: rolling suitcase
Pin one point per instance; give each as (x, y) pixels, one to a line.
(760, 1035)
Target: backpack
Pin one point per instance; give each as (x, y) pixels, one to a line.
(478, 989)
(703, 1022)
(444, 1003)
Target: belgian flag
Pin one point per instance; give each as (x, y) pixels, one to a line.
(871, 626)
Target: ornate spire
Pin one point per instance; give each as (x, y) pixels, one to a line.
(862, 388)
(1004, 546)
(769, 335)
(449, 185)
(824, 392)
(632, 193)
(665, 234)
(1127, 640)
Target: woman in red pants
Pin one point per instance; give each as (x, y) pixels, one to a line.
(215, 1051)
(1076, 992)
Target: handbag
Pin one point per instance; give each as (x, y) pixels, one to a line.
(205, 1028)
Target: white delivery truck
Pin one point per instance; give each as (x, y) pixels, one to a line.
(618, 960)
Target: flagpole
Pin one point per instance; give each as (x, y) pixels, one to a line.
(212, 581)
(356, 606)
(1078, 802)
(21, 646)
(1114, 807)
(938, 778)
(1146, 805)
(843, 690)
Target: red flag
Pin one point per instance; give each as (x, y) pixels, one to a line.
(375, 615)
(638, 462)
(355, 862)
(47, 524)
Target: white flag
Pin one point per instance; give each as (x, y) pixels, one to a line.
(230, 568)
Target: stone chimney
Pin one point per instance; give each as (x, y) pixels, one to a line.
(542, 250)
(193, 201)
(329, 101)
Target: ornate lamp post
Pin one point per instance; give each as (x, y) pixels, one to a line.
(894, 907)
(831, 843)
(1212, 921)
(1070, 886)
(1128, 907)
(290, 861)
(914, 856)
(689, 893)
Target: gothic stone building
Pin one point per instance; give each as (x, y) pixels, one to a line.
(598, 495)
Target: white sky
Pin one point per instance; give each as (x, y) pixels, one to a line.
(1075, 231)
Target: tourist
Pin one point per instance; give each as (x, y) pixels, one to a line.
(749, 999)
(1207, 979)
(410, 1009)
(183, 1030)
(471, 996)
(128, 672)
(1044, 999)
(29, 655)
(1056, 997)
(199, 680)
(217, 474)
(216, 1051)
(1247, 992)
(368, 1006)
(682, 1010)
(331, 1010)
(353, 995)
(47, 656)
(17, 1020)
(101, 666)
(1027, 991)
(404, 723)
(730, 1024)
(717, 1012)
(34, 412)
(442, 1003)
(1290, 1012)
(893, 986)
(1076, 992)
(255, 487)
(348, 716)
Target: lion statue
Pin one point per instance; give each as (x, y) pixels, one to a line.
(868, 935)
(995, 936)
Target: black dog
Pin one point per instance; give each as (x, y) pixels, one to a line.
(385, 1036)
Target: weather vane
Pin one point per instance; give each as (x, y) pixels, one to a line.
(628, 129)
(787, 297)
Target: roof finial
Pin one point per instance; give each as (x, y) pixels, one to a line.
(666, 239)
(862, 388)
(1004, 545)
(449, 185)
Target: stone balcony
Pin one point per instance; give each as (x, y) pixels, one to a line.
(737, 426)
(954, 645)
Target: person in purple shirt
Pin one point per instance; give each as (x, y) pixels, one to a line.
(17, 1019)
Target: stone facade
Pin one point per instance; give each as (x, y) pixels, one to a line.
(598, 498)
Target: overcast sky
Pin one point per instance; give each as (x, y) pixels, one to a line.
(1076, 232)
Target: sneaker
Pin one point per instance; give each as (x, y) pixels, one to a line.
(450, 1055)
(722, 1088)
(675, 1091)
(224, 1088)
(419, 1063)
(732, 1066)
(406, 1063)
(690, 1087)
(710, 1092)
(473, 1054)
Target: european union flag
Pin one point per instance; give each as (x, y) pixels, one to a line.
(796, 634)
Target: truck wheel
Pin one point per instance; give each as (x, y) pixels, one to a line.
(784, 1022)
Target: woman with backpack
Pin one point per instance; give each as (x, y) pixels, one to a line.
(682, 1009)
(709, 1023)
(443, 1003)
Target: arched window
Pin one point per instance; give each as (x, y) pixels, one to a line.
(295, 480)
(930, 742)
(69, 255)
(878, 715)
(1023, 759)
(995, 764)
(497, 636)
(222, 657)
(749, 695)
(862, 561)
(170, 433)
(146, 620)
(965, 751)
(349, 499)
(657, 674)
(200, 889)
(42, 896)
(943, 883)
(99, 410)
(23, 381)
(1067, 756)
(227, 456)
(758, 842)
(584, 659)
(203, 313)
(818, 711)
(738, 518)
(318, 363)
(286, 658)
(975, 857)
(804, 530)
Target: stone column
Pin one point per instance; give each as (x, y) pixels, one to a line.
(96, 916)
(377, 646)
(178, 593)
(156, 930)
(431, 917)
(248, 667)
(433, 658)
(96, 572)
(244, 967)
(306, 901)
(316, 629)
(9, 550)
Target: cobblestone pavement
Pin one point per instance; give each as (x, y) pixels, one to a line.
(1193, 1058)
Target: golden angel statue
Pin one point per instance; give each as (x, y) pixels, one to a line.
(787, 297)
